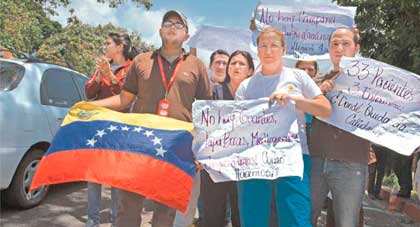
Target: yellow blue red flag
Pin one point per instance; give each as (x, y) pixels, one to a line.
(142, 153)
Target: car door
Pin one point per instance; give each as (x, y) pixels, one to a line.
(58, 93)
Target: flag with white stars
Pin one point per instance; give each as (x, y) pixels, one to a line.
(143, 153)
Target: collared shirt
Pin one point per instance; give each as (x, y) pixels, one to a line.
(144, 80)
(328, 141)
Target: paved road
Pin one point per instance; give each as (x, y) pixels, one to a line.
(66, 205)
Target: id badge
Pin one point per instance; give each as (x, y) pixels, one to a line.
(163, 109)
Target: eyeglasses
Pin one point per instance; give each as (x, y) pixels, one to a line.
(168, 24)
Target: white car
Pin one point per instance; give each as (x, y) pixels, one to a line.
(34, 99)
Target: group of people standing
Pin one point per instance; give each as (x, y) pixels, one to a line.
(334, 160)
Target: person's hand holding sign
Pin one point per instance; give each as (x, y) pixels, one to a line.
(327, 86)
(281, 98)
(318, 106)
(198, 165)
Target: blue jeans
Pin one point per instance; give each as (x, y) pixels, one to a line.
(346, 181)
(200, 208)
(94, 204)
(291, 196)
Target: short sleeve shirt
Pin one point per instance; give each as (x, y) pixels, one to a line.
(145, 81)
(291, 81)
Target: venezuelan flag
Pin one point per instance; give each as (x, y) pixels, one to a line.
(142, 153)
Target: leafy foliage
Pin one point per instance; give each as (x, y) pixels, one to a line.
(390, 31)
(78, 45)
(49, 5)
(24, 25)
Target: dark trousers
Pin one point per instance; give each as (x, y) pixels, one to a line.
(214, 197)
(130, 206)
(401, 165)
(382, 154)
(403, 171)
(273, 216)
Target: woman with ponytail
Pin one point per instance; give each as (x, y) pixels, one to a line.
(111, 68)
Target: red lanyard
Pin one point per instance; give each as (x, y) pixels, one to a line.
(162, 74)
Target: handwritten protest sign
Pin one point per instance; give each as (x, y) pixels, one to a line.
(307, 27)
(210, 38)
(378, 102)
(239, 140)
(229, 39)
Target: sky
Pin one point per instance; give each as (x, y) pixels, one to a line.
(225, 13)
(222, 13)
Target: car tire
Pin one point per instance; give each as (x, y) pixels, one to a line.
(17, 195)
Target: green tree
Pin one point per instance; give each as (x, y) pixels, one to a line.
(24, 25)
(50, 5)
(390, 31)
(78, 45)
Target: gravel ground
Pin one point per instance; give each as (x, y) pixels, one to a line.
(66, 206)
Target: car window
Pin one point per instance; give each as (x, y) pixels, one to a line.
(80, 82)
(10, 75)
(58, 88)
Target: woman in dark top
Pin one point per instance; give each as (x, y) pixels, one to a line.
(215, 195)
